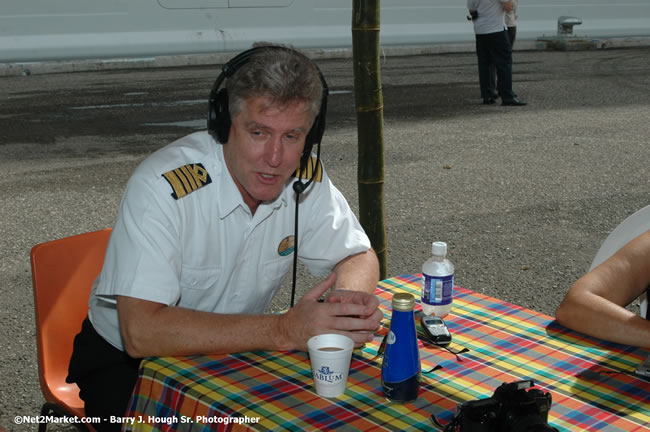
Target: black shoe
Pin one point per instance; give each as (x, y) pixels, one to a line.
(513, 102)
(488, 101)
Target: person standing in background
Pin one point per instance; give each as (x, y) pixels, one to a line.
(493, 46)
(511, 25)
(511, 22)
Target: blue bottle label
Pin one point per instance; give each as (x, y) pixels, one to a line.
(437, 290)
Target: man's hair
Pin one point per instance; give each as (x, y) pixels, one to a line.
(283, 75)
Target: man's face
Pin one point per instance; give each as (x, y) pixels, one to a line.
(264, 147)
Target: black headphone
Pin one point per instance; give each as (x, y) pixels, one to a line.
(219, 120)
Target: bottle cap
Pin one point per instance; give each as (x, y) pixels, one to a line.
(439, 248)
(403, 301)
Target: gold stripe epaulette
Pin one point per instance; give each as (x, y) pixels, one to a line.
(186, 179)
(307, 174)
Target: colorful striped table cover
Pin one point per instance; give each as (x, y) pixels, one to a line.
(591, 381)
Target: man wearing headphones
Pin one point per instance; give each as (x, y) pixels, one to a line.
(205, 235)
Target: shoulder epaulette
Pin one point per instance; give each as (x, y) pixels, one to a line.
(186, 179)
(307, 174)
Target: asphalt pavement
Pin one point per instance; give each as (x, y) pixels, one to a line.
(523, 195)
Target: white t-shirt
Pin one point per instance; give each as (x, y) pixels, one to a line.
(490, 15)
(184, 237)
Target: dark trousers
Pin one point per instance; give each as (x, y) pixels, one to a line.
(105, 375)
(512, 35)
(495, 48)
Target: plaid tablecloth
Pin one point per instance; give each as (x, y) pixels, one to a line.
(591, 381)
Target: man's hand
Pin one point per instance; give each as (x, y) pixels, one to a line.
(351, 313)
(507, 6)
(357, 297)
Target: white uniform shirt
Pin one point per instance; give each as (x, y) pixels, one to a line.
(204, 250)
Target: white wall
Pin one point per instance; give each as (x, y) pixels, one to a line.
(38, 30)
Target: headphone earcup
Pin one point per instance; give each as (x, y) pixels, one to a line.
(219, 116)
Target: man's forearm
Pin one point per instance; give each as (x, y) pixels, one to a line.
(152, 329)
(595, 304)
(603, 319)
(358, 272)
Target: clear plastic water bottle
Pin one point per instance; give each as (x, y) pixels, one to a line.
(437, 282)
(400, 369)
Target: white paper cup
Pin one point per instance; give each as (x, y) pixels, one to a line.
(330, 356)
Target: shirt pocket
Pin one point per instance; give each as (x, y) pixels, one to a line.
(275, 269)
(195, 283)
(269, 281)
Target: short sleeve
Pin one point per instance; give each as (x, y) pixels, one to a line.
(331, 230)
(143, 258)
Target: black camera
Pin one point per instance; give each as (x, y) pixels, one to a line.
(514, 407)
(472, 15)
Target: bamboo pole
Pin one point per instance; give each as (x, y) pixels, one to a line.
(370, 125)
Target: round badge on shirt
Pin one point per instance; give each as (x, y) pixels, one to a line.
(286, 246)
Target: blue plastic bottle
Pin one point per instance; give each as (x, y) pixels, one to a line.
(400, 370)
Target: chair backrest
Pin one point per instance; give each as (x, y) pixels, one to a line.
(632, 227)
(63, 272)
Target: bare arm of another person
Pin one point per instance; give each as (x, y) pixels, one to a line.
(595, 304)
(507, 6)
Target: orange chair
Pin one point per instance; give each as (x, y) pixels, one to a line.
(63, 272)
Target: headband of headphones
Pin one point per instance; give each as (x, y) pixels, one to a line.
(219, 120)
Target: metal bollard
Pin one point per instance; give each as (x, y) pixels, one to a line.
(565, 25)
